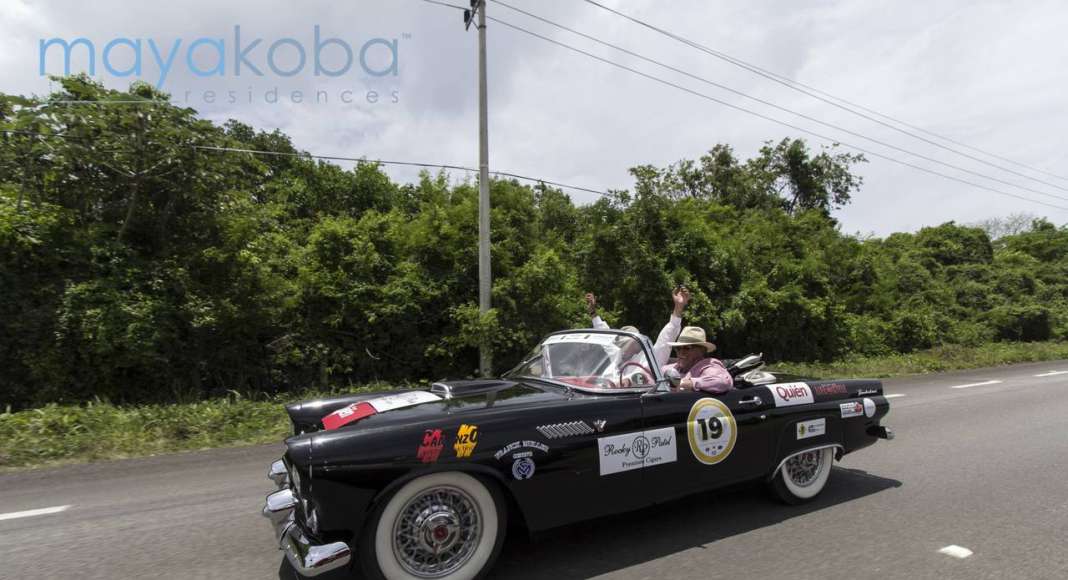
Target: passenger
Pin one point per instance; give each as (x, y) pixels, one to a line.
(662, 348)
(695, 369)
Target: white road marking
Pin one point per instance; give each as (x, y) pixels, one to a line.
(1052, 373)
(970, 385)
(32, 513)
(956, 551)
(894, 395)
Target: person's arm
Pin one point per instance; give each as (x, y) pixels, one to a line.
(713, 378)
(591, 308)
(671, 330)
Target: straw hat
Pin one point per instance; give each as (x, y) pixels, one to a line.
(691, 336)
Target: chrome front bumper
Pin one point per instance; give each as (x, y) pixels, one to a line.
(307, 558)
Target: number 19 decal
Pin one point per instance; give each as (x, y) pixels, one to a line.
(711, 430)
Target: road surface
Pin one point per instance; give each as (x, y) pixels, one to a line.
(974, 486)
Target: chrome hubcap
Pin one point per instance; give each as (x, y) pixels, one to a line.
(437, 532)
(803, 468)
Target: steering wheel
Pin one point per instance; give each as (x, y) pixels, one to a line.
(603, 382)
(644, 369)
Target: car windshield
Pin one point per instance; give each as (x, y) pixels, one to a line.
(596, 361)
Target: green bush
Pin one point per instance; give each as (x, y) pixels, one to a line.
(1021, 322)
(211, 271)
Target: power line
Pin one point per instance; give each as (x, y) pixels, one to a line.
(772, 119)
(403, 163)
(508, 174)
(769, 118)
(784, 109)
(837, 101)
(446, 4)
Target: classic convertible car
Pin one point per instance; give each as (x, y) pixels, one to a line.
(420, 484)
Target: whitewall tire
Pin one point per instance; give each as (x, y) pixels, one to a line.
(803, 476)
(443, 525)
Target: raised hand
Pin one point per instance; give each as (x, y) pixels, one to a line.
(591, 303)
(681, 298)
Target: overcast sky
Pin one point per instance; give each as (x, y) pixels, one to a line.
(987, 74)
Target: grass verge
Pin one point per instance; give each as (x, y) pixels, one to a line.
(57, 434)
(935, 360)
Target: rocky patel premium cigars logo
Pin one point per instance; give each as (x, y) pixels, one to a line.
(636, 450)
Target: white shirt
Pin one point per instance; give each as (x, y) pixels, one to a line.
(661, 349)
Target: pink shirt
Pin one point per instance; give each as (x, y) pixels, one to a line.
(707, 374)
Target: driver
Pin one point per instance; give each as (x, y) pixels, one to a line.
(698, 371)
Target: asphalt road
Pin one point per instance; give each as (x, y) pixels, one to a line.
(984, 467)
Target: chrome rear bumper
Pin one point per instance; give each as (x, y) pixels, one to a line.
(307, 558)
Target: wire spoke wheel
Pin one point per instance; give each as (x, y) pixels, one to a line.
(803, 468)
(803, 476)
(440, 525)
(436, 532)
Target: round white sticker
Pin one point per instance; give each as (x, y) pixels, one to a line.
(711, 430)
(869, 408)
(523, 468)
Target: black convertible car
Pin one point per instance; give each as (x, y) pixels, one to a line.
(421, 484)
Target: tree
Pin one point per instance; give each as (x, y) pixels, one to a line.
(822, 182)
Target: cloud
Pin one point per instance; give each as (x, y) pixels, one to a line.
(987, 74)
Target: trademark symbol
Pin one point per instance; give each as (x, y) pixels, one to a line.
(406, 35)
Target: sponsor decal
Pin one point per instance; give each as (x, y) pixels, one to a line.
(863, 392)
(813, 428)
(346, 415)
(629, 451)
(830, 390)
(869, 408)
(357, 411)
(711, 430)
(466, 440)
(401, 400)
(518, 445)
(433, 443)
(789, 394)
(854, 409)
(523, 468)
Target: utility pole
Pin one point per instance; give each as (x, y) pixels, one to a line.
(485, 274)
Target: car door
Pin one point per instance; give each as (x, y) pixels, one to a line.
(722, 439)
(574, 479)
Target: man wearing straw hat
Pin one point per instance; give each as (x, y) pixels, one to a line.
(696, 370)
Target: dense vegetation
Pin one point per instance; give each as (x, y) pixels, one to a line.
(135, 267)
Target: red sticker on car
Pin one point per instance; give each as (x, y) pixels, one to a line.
(346, 415)
(432, 445)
